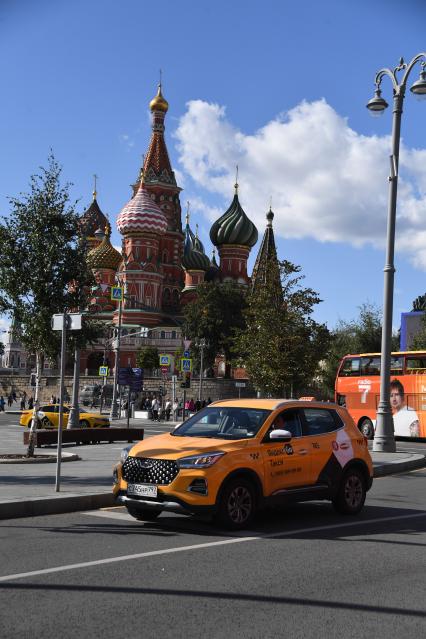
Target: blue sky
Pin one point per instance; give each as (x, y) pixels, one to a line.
(278, 87)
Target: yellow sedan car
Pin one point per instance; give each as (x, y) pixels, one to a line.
(48, 417)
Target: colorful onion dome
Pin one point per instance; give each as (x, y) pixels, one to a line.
(141, 214)
(104, 255)
(234, 227)
(194, 258)
(159, 103)
(92, 219)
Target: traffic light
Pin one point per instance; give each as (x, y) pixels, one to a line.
(186, 381)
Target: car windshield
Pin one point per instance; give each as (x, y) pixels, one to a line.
(223, 422)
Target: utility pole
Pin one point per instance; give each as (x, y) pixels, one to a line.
(114, 405)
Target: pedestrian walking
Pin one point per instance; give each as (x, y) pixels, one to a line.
(2, 403)
(30, 403)
(168, 409)
(10, 400)
(197, 405)
(155, 407)
(175, 410)
(23, 402)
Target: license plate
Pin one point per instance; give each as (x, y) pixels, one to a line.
(142, 490)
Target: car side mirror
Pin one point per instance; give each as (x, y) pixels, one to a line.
(280, 435)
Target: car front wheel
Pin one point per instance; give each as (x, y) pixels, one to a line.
(237, 504)
(84, 423)
(350, 497)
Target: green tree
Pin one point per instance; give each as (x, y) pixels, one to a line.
(42, 264)
(148, 358)
(215, 315)
(281, 345)
(419, 341)
(419, 304)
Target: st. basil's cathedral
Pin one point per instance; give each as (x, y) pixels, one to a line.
(161, 263)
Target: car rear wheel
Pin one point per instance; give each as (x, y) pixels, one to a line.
(237, 504)
(366, 428)
(350, 497)
(84, 424)
(143, 515)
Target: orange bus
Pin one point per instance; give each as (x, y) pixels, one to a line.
(358, 389)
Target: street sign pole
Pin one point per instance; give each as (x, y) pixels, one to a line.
(61, 404)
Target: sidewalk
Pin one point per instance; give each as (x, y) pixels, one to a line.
(29, 489)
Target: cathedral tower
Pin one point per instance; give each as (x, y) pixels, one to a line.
(234, 235)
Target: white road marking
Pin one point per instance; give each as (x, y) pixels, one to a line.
(211, 544)
(110, 514)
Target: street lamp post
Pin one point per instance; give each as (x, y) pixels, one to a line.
(114, 405)
(201, 344)
(384, 440)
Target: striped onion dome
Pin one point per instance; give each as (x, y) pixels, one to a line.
(104, 255)
(234, 227)
(194, 258)
(141, 213)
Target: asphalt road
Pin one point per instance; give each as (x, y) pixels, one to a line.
(300, 572)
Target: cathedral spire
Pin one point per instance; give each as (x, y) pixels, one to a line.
(266, 264)
(157, 167)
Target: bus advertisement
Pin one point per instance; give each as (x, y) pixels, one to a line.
(358, 389)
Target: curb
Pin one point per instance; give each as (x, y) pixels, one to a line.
(54, 505)
(51, 457)
(59, 504)
(396, 467)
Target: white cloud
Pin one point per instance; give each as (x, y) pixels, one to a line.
(127, 141)
(326, 180)
(4, 326)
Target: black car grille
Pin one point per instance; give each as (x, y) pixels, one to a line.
(144, 470)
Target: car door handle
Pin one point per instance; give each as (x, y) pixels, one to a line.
(303, 451)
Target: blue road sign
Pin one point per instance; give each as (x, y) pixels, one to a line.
(186, 365)
(103, 371)
(132, 377)
(117, 293)
(186, 353)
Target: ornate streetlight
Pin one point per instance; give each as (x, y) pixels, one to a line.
(384, 440)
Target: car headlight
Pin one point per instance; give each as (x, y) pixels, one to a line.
(199, 461)
(125, 453)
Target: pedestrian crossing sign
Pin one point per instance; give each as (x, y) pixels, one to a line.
(164, 360)
(117, 293)
(186, 365)
(103, 371)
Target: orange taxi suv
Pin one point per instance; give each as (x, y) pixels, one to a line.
(234, 457)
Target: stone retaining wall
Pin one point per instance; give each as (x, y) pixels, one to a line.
(212, 387)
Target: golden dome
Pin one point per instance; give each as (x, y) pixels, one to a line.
(159, 103)
(104, 255)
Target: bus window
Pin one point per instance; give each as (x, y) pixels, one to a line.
(350, 367)
(416, 364)
(370, 365)
(396, 365)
